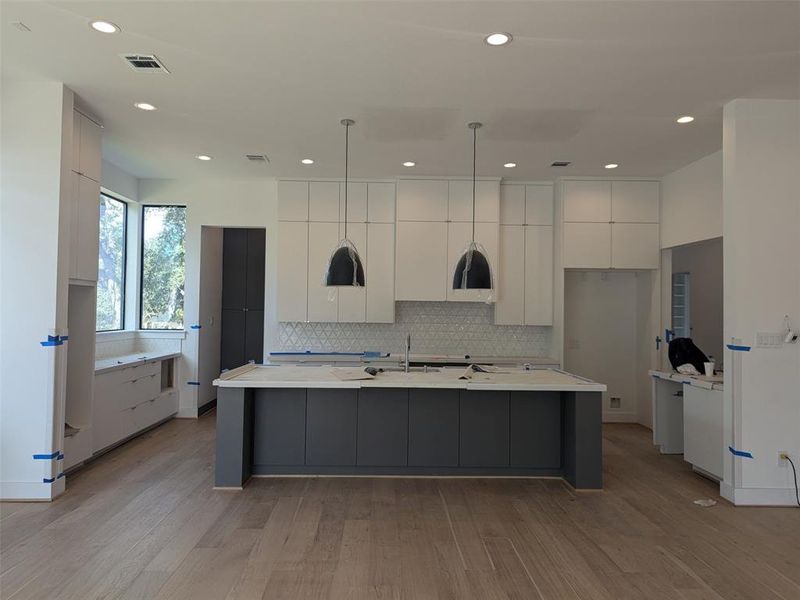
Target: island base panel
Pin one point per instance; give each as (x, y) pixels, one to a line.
(582, 455)
(234, 452)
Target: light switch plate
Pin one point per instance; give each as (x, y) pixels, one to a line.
(767, 339)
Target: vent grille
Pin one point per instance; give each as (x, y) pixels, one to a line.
(147, 63)
(561, 163)
(263, 158)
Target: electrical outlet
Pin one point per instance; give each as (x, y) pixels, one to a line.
(615, 402)
(782, 456)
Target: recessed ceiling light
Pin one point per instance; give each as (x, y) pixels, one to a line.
(685, 119)
(203, 157)
(510, 165)
(307, 161)
(409, 163)
(104, 27)
(144, 106)
(498, 39)
(612, 166)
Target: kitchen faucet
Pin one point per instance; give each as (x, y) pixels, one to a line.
(408, 351)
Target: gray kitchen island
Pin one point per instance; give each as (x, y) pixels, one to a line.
(302, 420)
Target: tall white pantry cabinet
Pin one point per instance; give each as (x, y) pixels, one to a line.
(311, 223)
(525, 270)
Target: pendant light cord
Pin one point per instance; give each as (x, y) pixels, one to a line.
(474, 153)
(346, 164)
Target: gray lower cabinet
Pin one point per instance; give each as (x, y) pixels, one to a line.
(536, 430)
(484, 420)
(383, 427)
(331, 422)
(432, 428)
(279, 417)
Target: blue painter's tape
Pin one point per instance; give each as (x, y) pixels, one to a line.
(372, 354)
(738, 348)
(47, 456)
(53, 340)
(60, 456)
(64, 338)
(60, 475)
(48, 479)
(310, 353)
(741, 453)
(195, 326)
(192, 383)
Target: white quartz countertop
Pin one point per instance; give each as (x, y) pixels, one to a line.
(541, 379)
(130, 360)
(701, 381)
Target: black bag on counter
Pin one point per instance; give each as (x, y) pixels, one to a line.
(683, 351)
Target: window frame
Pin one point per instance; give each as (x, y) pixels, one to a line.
(143, 212)
(124, 262)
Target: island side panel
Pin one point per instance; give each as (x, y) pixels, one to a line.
(234, 452)
(583, 439)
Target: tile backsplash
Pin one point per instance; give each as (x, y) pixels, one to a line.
(435, 328)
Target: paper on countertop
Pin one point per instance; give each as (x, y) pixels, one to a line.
(471, 369)
(351, 373)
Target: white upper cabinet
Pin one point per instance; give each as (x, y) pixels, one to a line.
(539, 204)
(487, 201)
(509, 308)
(86, 146)
(293, 271)
(356, 202)
(422, 200)
(458, 236)
(84, 228)
(635, 246)
(380, 202)
(323, 302)
(293, 201)
(380, 273)
(587, 246)
(538, 275)
(634, 201)
(421, 265)
(512, 204)
(323, 201)
(587, 201)
(353, 300)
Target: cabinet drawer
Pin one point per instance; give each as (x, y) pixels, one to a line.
(139, 390)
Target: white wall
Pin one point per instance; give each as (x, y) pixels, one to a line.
(691, 202)
(119, 182)
(36, 133)
(210, 311)
(703, 261)
(216, 203)
(761, 148)
(607, 336)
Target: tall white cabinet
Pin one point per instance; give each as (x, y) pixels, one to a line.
(525, 273)
(311, 223)
(434, 225)
(610, 224)
(85, 201)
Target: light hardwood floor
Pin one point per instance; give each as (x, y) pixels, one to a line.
(144, 522)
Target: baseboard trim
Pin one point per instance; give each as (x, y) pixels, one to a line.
(758, 496)
(201, 410)
(31, 491)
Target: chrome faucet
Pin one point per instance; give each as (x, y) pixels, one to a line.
(408, 351)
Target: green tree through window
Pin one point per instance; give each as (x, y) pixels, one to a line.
(163, 272)
(111, 265)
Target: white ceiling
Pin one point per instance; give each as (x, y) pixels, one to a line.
(590, 82)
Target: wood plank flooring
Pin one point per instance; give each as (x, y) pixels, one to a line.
(143, 522)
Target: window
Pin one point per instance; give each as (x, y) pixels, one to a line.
(111, 264)
(681, 324)
(163, 234)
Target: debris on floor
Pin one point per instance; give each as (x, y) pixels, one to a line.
(705, 502)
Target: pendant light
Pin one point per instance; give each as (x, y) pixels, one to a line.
(472, 270)
(345, 267)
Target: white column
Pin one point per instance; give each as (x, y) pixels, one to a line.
(34, 259)
(761, 230)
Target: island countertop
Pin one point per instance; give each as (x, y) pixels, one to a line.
(511, 379)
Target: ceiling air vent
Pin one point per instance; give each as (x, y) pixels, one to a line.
(145, 63)
(561, 163)
(263, 158)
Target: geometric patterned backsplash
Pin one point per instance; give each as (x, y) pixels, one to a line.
(435, 328)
